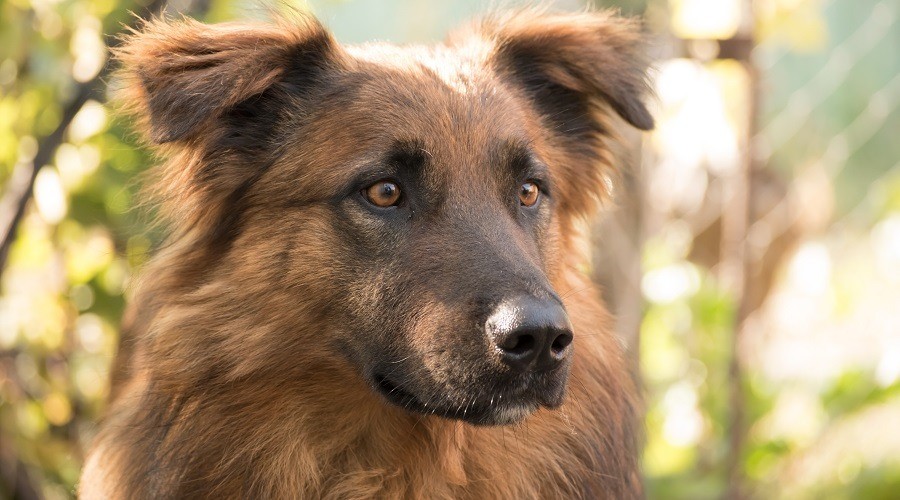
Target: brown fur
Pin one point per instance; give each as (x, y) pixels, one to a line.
(243, 369)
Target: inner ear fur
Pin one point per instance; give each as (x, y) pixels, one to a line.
(213, 97)
(182, 76)
(567, 62)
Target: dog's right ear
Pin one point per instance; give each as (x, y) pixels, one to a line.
(181, 76)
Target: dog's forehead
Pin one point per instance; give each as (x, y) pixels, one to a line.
(448, 98)
(445, 101)
(462, 68)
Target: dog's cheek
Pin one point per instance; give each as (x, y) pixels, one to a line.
(301, 255)
(358, 282)
(549, 243)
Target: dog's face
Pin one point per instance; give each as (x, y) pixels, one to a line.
(413, 200)
(441, 209)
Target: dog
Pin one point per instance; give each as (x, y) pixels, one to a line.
(373, 283)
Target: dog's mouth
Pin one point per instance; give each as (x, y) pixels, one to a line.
(499, 409)
(396, 394)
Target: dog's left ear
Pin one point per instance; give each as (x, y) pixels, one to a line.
(567, 62)
(214, 97)
(185, 79)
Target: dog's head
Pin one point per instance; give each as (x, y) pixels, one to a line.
(405, 209)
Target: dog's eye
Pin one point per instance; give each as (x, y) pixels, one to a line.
(529, 194)
(383, 194)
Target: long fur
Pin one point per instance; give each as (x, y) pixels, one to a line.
(227, 383)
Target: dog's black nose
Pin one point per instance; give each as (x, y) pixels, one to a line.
(531, 334)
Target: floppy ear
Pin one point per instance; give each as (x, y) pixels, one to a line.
(568, 63)
(182, 76)
(215, 95)
(575, 70)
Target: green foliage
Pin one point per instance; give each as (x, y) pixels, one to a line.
(62, 290)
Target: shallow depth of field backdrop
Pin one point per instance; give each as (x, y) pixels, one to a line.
(752, 256)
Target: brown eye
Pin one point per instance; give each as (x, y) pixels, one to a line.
(529, 194)
(383, 194)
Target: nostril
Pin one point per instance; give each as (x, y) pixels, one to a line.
(530, 334)
(560, 343)
(519, 345)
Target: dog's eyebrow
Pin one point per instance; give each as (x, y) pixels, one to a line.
(516, 156)
(408, 155)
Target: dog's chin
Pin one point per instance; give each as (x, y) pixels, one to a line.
(498, 409)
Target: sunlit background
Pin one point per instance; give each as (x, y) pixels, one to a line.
(752, 255)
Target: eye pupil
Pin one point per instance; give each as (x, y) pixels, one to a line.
(529, 194)
(383, 194)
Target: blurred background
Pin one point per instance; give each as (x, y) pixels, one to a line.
(751, 255)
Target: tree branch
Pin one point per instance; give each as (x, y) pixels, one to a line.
(21, 185)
